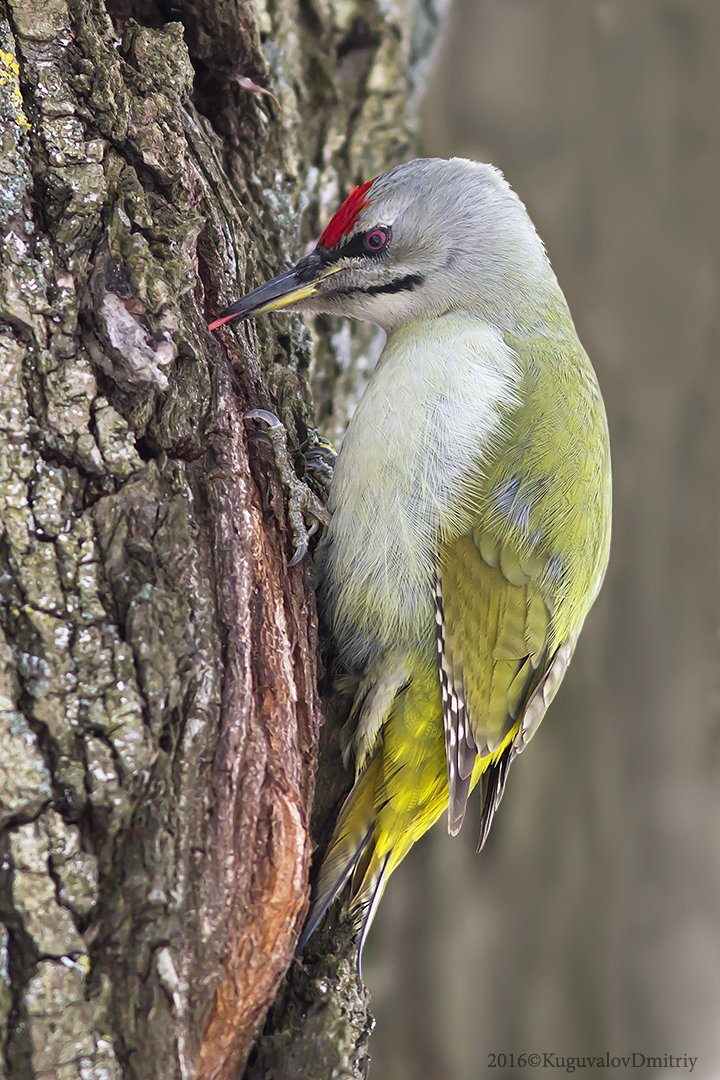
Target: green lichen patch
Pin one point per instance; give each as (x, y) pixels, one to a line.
(41, 22)
(49, 926)
(25, 783)
(74, 870)
(66, 1033)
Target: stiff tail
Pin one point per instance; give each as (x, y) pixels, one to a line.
(369, 900)
(351, 855)
(400, 792)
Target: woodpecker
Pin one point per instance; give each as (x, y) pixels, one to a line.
(470, 504)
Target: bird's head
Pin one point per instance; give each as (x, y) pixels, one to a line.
(431, 236)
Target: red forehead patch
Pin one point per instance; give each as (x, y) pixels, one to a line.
(344, 219)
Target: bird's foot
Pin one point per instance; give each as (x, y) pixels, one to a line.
(303, 504)
(319, 456)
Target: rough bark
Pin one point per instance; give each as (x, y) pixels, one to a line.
(159, 711)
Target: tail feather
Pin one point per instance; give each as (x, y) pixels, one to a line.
(375, 888)
(351, 837)
(399, 793)
(459, 793)
(325, 895)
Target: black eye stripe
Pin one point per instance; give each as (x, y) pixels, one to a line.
(352, 248)
(403, 284)
(355, 247)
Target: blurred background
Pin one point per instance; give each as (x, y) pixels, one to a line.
(591, 922)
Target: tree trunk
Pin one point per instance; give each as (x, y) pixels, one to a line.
(159, 711)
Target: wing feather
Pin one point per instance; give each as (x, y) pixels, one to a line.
(493, 633)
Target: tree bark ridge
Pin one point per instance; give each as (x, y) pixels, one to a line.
(159, 711)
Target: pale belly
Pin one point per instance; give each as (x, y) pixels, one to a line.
(401, 481)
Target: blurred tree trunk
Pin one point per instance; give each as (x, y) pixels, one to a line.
(589, 922)
(159, 712)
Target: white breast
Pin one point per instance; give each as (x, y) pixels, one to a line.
(410, 457)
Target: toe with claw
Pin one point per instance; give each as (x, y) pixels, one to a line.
(303, 504)
(319, 456)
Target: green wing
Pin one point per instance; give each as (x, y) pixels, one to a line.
(513, 589)
(494, 644)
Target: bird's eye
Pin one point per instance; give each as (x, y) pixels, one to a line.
(375, 240)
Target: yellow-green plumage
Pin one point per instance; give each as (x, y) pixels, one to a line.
(514, 590)
(470, 502)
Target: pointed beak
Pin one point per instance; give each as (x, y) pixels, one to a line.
(300, 283)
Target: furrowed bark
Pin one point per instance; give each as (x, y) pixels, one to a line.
(159, 711)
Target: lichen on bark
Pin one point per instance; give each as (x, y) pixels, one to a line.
(159, 711)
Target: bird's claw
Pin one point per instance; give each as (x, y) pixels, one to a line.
(303, 503)
(320, 456)
(300, 552)
(266, 416)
